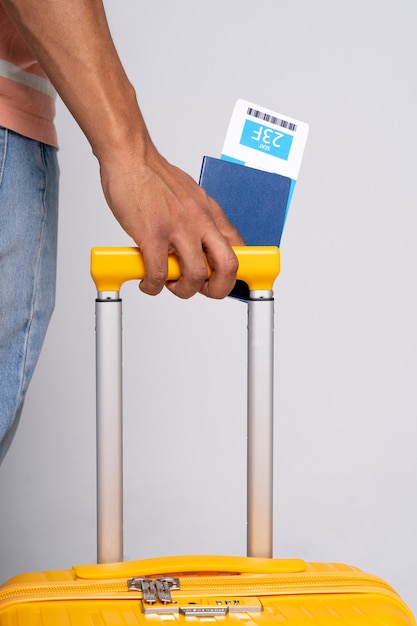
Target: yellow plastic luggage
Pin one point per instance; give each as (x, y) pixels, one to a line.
(187, 590)
(229, 590)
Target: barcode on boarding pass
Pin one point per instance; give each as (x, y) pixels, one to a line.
(266, 117)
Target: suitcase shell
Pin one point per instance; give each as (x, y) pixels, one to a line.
(198, 589)
(190, 589)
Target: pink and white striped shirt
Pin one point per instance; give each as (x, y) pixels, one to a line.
(27, 98)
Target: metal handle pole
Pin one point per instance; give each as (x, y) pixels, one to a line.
(109, 427)
(260, 424)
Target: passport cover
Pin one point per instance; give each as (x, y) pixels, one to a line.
(254, 201)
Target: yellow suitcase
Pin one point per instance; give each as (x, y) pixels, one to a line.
(187, 590)
(229, 590)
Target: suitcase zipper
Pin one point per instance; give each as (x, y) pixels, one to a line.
(261, 585)
(158, 590)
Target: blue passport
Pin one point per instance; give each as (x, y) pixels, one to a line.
(255, 202)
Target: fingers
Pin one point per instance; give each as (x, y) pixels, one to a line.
(212, 274)
(219, 256)
(208, 265)
(224, 265)
(194, 271)
(156, 264)
(195, 275)
(204, 249)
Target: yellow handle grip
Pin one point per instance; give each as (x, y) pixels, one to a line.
(111, 267)
(188, 565)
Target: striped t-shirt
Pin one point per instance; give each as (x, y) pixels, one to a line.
(27, 98)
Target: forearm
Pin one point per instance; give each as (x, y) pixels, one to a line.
(73, 44)
(158, 205)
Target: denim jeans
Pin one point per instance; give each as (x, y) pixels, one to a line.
(29, 176)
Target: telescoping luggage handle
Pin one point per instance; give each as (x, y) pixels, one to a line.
(110, 267)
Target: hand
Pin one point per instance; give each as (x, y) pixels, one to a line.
(165, 212)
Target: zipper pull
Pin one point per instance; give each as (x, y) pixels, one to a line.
(153, 590)
(164, 587)
(146, 586)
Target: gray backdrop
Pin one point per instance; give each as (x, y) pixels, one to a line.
(346, 305)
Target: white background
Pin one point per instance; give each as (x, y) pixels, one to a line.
(346, 306)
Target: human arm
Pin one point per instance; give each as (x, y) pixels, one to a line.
(157, 204)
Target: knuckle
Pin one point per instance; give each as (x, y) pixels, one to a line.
(198, 275)
(150, 290)
(157, 276)
(181, 290)
(184, 295)
(230, 264)
(154, 281)
(191, 282)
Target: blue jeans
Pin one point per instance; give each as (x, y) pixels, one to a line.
(29, 176)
